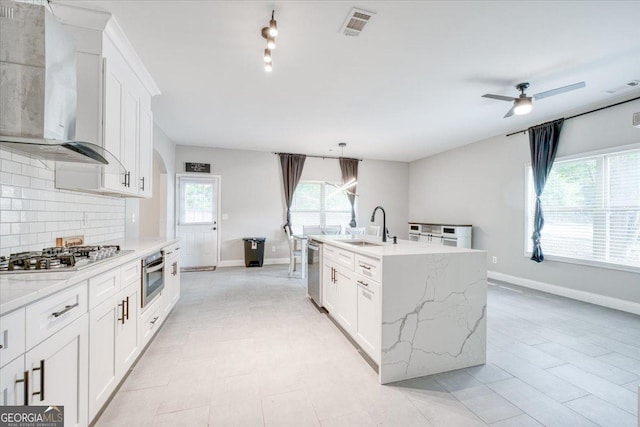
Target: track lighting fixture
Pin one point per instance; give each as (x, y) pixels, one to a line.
(269, 34)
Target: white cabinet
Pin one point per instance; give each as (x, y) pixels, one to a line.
(171, 277)
(351, 294)
(12, 336)
(14, 380)
(127, 329)
(58, 369)
(150, 320)
(339, 288)
(329, 289)
(114, 108)
(113, 330)
(368, 325)
(347, 299)
(103, 376)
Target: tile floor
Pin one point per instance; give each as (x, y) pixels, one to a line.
(244, 347)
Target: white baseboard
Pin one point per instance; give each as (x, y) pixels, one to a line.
(240, 262)
(605, 301)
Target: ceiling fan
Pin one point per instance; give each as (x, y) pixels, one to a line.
(524, 104)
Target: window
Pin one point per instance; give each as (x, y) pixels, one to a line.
(197, 201)
(591, 209)
(319, 203)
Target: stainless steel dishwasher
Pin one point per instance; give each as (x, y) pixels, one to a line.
(314, 290)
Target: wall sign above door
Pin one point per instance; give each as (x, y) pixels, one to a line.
(197, 167)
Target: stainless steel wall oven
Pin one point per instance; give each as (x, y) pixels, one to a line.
(152, 277)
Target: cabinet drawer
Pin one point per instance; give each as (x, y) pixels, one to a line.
(344, 258)
(329, 251)
(130, 273)
(368, 267)
(53, 313)
(12, 336)
(103, 287)
(150, 320)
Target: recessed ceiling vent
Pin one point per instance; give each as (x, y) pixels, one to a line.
(356, 21)
(630, 85)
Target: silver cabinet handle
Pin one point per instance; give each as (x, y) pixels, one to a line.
(154, 320)
(142, 179)
(121, 319)
(65, 309)
(363, 283)
(366, 267)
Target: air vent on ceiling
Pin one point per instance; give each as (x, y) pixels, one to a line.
(356, 21)
(631, 84)
(6, 12)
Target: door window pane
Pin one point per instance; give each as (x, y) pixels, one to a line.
(197, 202)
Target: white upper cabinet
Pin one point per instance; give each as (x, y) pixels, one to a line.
(114, 107)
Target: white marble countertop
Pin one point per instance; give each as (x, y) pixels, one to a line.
(403, 247)
(20, 289)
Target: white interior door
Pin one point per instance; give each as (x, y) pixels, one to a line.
(197, 217)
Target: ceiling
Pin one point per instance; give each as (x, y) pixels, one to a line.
(409, 86)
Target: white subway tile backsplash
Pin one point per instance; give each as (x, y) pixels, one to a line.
(10, 240)
(10, 166)
(9, 191)
(38, 183)
(20, 180)
(9, 216)
(28, 239)
(33, 212)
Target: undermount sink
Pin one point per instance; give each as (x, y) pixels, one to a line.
(361, 243)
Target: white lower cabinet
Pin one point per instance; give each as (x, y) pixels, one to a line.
(127, 348)
(14, 379)
(102, 376)
(353, 297)
(369, 329)
(113, 343)
(58, 370)
(329, 290)
(171, 277)
(150, 320)
(347, 299)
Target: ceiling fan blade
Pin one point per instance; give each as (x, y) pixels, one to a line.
(499, 97)
(559, 90)
(510, 112)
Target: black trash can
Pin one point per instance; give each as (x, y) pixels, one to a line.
(254, 251)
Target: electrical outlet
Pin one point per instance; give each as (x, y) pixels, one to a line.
(273, 248)
(494, 259)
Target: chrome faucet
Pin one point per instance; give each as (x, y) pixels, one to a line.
(384, 221)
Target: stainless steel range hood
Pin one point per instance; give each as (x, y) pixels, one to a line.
(38, 87)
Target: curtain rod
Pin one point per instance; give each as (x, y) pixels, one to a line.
(324, 157)
(585, 113)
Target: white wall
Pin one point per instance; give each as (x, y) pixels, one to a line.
(33, 212)
(155, 217)
(252, 195)
(483, 184)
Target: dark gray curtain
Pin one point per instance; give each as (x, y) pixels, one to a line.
(349, 168)
(292, 165)
(543, 141)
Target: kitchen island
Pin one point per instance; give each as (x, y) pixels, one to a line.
(416, 309)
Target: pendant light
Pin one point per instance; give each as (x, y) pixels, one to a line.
(269, 34)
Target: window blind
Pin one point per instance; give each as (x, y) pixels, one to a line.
(591, 208)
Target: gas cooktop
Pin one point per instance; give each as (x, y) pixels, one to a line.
(59, 259)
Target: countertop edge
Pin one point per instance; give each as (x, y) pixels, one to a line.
(141, 247)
